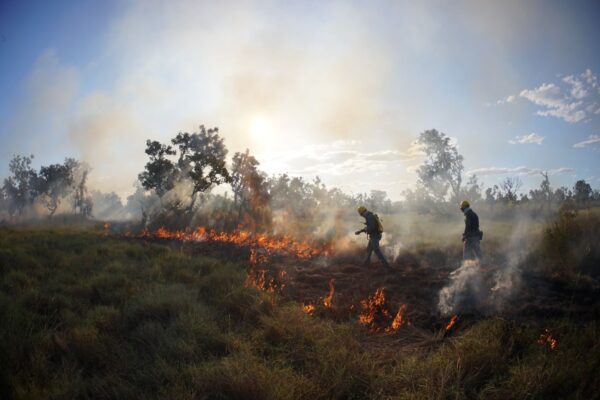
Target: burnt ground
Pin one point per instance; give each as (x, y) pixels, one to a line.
(414, 280)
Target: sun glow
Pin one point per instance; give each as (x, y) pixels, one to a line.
(261, 128)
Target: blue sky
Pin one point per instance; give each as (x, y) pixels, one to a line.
(335, 89)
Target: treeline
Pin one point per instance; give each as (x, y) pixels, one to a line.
(190, 180)
(440, 185)
(27, 191)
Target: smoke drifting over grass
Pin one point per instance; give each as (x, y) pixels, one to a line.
(464, 289)
(487, 286)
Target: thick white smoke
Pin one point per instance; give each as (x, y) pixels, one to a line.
(488, 288)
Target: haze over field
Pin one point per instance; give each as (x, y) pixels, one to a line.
(335, 89)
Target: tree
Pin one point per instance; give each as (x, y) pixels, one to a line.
(202, 160)
(82, 201)
(582, 191)
(472, 190)
(443, 166)
(250, 190)
(492, 194)
(107, 205)
(54, 182)
(19, 187)
(378, 201)
(510, 188)
(159, 174)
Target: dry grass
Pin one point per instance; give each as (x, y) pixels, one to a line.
(89, 316)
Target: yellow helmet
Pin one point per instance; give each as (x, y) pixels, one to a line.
(362, 209)
(464, 204)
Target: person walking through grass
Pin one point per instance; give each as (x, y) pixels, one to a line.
(374, 230)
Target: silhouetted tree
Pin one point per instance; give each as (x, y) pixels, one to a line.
(510, 188)
(159, 174)
(19, 187)
(202, 160)
(54, 183)
(543, 195)
(582, 191)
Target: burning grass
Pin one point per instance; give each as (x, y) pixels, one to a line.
(89, 315)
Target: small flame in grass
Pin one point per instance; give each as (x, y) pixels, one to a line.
(376, 314)
(399, 319)
(309, 308)
(258, 279)
(257, 258)
(452, 322)
(547, 339)
(106, 227)
(327, 300)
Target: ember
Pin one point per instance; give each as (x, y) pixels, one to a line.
(452, 322)
(327, 300)
(309, 308)
(547, 339)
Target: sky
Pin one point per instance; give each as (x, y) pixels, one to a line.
(335, 89)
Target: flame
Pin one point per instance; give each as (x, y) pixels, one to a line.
(106, 227)
(262, 245)
(452, 322)
(327, 300)
(399, 319)
(309, 308)
(376, 314)
(258, 279)
(546, 338)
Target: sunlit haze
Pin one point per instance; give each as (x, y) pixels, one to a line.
(335, 89)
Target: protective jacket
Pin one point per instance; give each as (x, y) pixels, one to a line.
(471, 224)
(371, 224)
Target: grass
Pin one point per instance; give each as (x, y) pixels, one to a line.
(90, 316)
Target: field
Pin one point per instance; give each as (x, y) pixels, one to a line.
(91, 313)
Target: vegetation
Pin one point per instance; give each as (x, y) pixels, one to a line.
(85, 315)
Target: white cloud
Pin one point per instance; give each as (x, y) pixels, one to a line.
(592, 139)
(517, 171)
(507, 99)
(527, 139)
(571, 99)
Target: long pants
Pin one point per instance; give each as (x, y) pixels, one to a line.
(471, 249)
(373, 246)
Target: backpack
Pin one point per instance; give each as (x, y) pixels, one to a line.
(379, 224)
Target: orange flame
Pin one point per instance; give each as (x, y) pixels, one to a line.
(452, 322)
(256, 279)
(399, 319)
(309, 308)
(259, 280)
(376, 314)
(259, 242)
(327, 300)
(546, 338)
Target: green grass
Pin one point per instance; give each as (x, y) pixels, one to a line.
(89, 316)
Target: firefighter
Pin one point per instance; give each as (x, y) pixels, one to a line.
(374, 230)
(472, 235)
